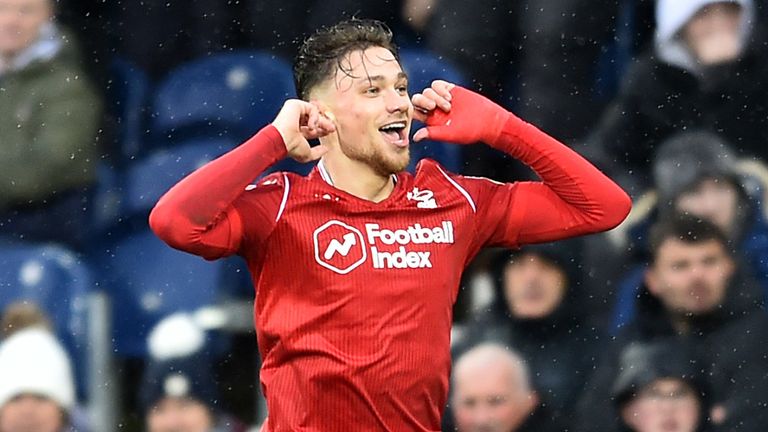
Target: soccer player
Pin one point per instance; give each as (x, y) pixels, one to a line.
(357, 265)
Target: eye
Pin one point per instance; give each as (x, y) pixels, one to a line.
(372, 91)
(402, 89)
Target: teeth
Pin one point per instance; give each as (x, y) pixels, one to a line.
(393, 126)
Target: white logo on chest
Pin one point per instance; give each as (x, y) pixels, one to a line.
(341, 248)
(424, 198)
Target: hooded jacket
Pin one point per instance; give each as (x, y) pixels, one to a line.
(666, 91)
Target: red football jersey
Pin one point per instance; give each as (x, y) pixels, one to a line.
(354, 298)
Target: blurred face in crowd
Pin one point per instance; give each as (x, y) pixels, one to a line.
(491, 398)
(20, 23)
(713, 34)
(31, 413)
(179, 415)
(534, 286)
(369, 103)
(666, 405)
(690, 278)
(714, 200)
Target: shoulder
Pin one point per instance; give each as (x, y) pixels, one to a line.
(430, 169)
(433, 176)
(648, 74)
(276, 182)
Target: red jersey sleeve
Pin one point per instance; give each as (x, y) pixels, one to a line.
(200, 213)
(573, 197)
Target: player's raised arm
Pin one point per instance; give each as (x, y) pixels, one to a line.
(197, 214)
(574, 197)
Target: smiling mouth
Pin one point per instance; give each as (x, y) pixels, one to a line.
(395, 133)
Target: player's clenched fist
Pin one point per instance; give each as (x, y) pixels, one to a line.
(455, 114)
(299, 121)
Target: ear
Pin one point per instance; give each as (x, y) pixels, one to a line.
(730, 265)
(532, 401)
(628, 415)
(652, 280)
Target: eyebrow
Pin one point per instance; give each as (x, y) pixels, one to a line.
(400, 75)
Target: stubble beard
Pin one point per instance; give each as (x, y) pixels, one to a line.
(374, 157)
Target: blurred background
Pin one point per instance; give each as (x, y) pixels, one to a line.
(104, 105)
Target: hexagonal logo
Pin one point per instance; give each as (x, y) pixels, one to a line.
(339, 247)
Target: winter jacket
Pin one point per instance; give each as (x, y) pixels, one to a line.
(50, 117)
(665, 91)
(727, 345)
(559, 349)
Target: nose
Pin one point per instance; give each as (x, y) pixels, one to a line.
(397, 102)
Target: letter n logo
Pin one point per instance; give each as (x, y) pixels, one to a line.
(339, 247)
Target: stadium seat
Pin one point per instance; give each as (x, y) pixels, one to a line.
(149, 280)
(231, 95)
(52, 278)
(128, 90)
(422, 67)
(147, 179)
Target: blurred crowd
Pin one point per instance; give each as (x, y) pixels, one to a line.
(658, 325)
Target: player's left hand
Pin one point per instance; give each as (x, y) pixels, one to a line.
(455, 114)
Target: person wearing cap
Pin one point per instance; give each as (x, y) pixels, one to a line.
(179, 395)
(704, 70)
(693, 294)
(179, 392)
(536, 311)
(37, 391)
(699, 173)
(659, 389)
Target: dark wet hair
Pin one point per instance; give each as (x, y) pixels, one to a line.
(322, 53)
(688, 229)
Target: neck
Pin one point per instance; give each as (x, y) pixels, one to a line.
(358, 179)
(681, 323)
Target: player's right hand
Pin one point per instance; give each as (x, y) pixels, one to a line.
(299, 121)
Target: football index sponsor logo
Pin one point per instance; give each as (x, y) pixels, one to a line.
(341, 248)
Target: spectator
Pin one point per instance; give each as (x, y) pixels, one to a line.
(178, 392)
(659, 389)
(553, 45)
(537, 312)
(703, 72)
(698, 173)
(492, 392)
(37, 390)
(694, 295)
(49, 116)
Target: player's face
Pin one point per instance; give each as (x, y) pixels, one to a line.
(370, 103)
(31, 413)
(666, 405)
(690, 278)
(490, 400)
(179, 415)
(20, 23)
(533, 287)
